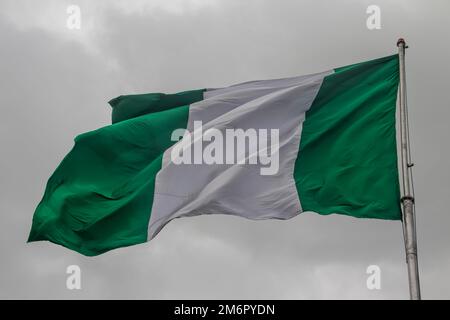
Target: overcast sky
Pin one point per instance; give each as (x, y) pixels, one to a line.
(55, 83)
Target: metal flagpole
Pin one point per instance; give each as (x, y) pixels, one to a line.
(407, 200)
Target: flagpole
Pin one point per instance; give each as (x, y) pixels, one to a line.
(407, 200)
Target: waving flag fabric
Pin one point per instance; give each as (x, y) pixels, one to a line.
(336, 153)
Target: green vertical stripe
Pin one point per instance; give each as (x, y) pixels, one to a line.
(130, 106)
(347, 160)
(100, 196)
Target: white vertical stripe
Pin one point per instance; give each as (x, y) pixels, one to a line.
(189, 189)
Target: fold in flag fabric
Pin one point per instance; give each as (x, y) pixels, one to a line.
(336, 153)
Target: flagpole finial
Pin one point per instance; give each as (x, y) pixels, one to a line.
(401, 41)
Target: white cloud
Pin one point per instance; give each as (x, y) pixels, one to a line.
(177, 7)
(51, 16)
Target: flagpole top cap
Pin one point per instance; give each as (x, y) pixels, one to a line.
(401, 41)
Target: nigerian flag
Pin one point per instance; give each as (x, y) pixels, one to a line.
(334, 152)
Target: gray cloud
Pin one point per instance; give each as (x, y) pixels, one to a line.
(55, 85)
